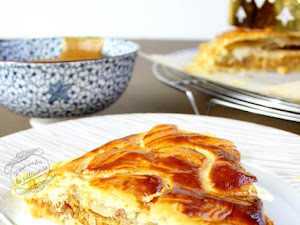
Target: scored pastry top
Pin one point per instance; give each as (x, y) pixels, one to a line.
(175, 171)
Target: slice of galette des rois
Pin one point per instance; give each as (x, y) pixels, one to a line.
(164, 176)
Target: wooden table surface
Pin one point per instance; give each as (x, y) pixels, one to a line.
(146, 94)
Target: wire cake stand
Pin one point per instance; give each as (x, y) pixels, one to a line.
(227, 96)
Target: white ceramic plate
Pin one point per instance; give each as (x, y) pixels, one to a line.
(270, 154)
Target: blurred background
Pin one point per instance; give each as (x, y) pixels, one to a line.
(158, 26)
(133, 19)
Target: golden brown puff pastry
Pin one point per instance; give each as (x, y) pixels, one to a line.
(165, 176)
(249, 49)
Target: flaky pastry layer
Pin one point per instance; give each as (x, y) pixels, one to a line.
(249, 49)
(165, 176)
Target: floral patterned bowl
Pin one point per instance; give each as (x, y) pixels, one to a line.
(62, 89)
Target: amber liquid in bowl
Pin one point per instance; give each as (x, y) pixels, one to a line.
(75, 49)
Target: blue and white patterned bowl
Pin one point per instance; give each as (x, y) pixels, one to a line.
(62, 89)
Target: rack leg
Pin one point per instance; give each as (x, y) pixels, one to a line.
(210, 104)
(192, 101)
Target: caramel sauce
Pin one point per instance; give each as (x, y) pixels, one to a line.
(167, 167)
(75, 49)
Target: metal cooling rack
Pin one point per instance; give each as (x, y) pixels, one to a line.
(227, 96)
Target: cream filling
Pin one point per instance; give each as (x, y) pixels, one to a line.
(286, 42)
(241, 53)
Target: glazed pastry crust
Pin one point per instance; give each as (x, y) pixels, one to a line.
(163, 176)
(249, 49)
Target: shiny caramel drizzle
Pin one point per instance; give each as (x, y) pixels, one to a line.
(199, 174)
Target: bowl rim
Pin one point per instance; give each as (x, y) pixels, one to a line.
(136, 45)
